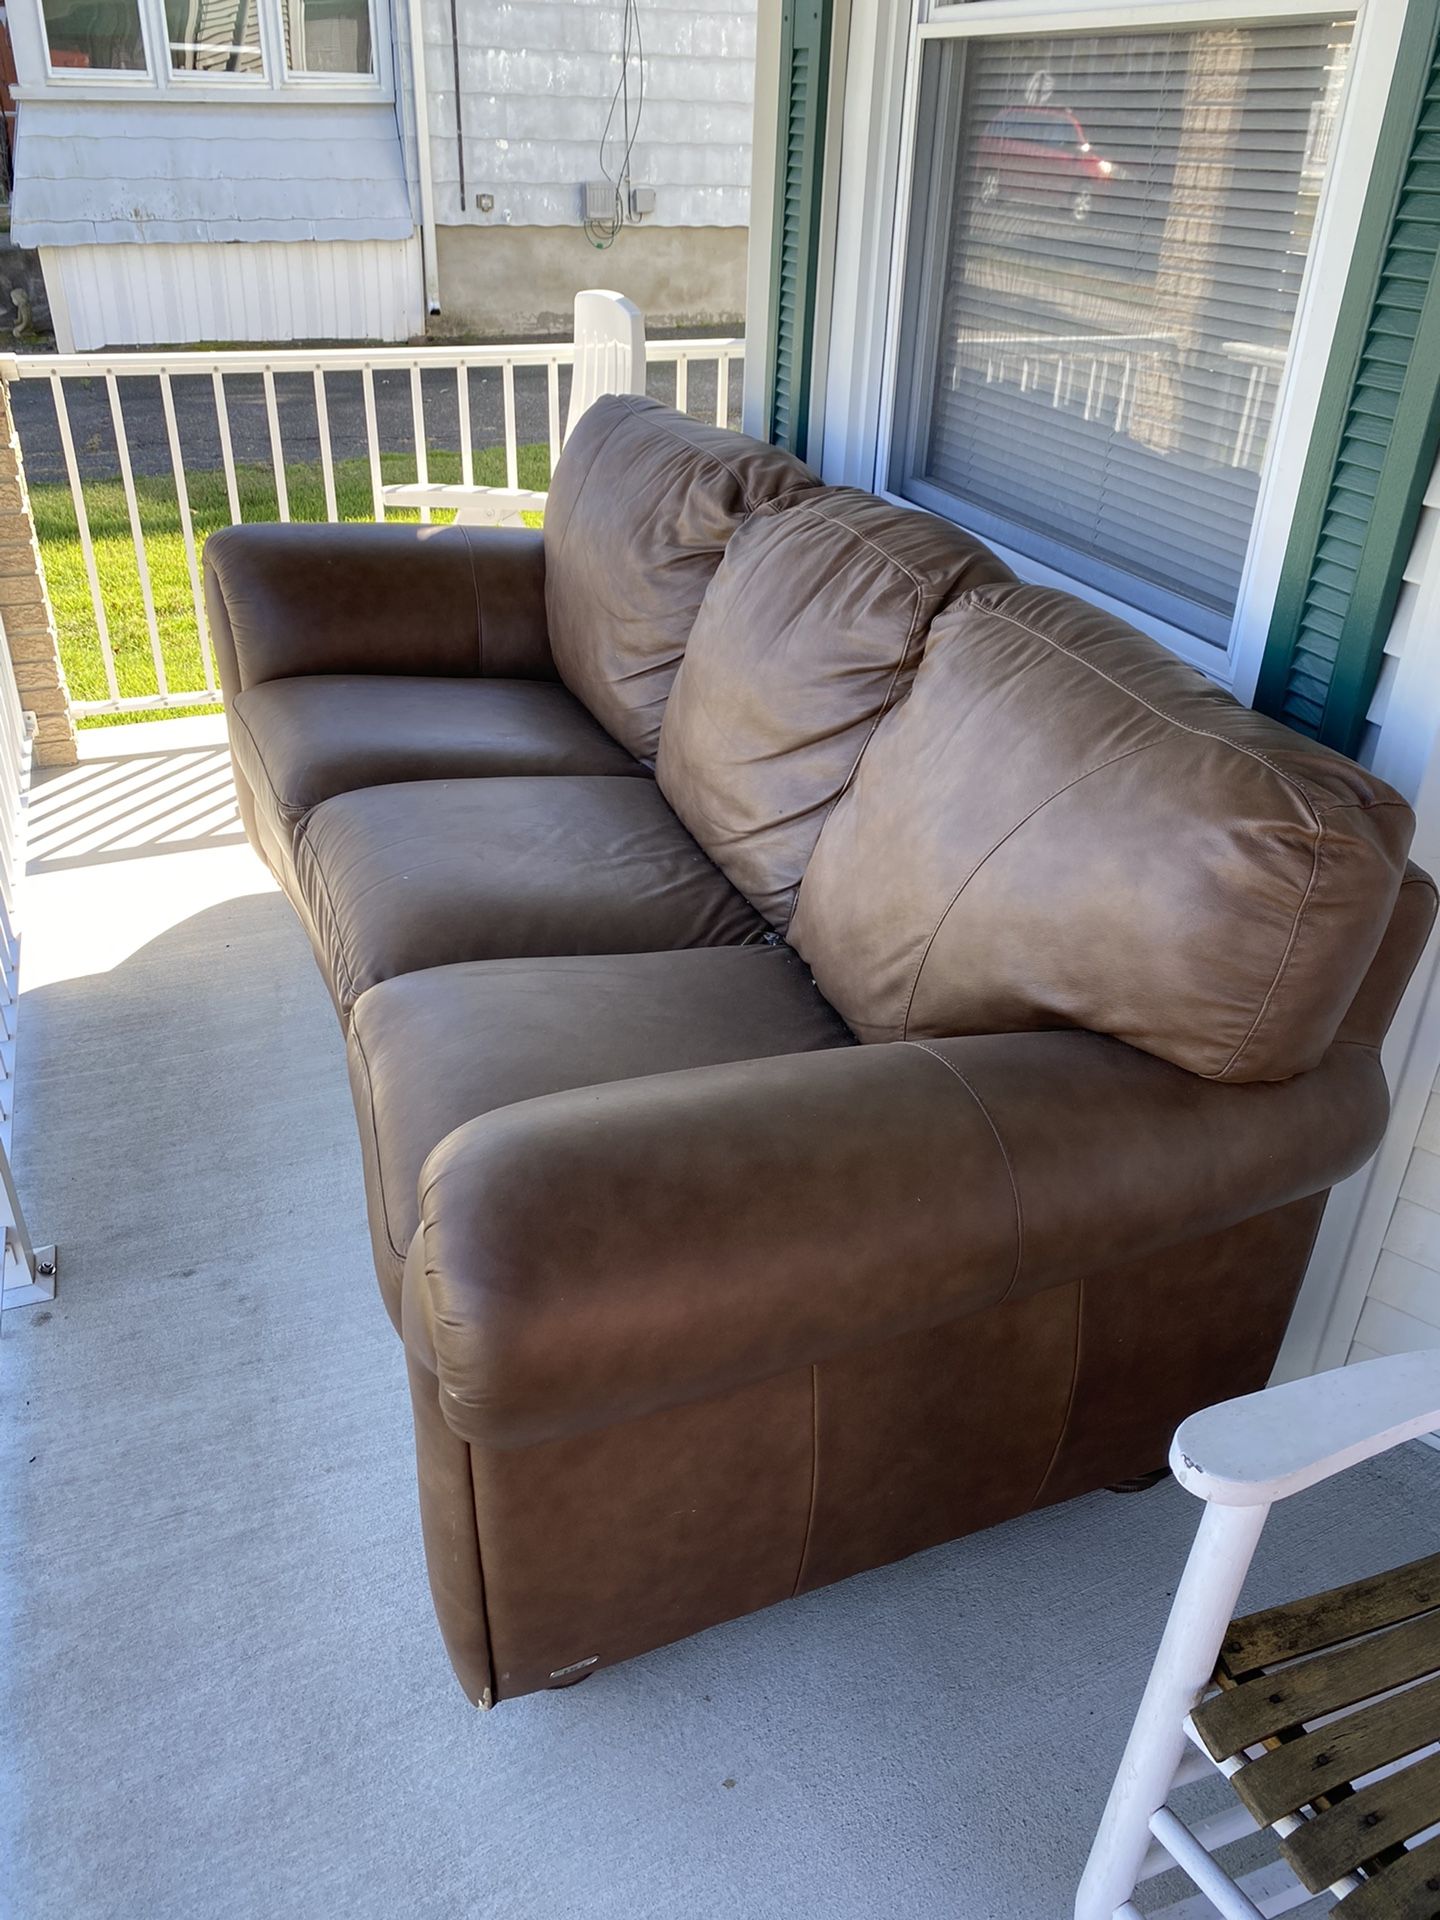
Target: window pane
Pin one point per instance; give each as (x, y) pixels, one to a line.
(102, 34)
(214, 37)
(1109, 240)
(327, 36)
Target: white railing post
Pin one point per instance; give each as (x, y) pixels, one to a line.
(250, 470)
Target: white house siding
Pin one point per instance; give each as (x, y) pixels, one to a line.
(536, 81)
(1397, 1294)
(136, 207)
(157, 295)
(101, 173)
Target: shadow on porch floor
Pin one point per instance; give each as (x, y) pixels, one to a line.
(224, 1693)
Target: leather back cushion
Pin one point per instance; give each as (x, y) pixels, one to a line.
(810, 633)
(1064, 826)
(640, 510)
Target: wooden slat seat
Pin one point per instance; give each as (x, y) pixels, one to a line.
(1332, 1689)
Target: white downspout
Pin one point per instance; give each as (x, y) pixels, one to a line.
(420, 89)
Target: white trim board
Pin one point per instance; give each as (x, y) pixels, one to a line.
(880, 123)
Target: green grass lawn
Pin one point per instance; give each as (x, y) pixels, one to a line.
(165, 550)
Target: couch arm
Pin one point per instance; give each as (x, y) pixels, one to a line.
(598, 1254)
(452, 601)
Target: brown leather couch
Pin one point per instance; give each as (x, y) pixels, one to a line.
(706, 1304)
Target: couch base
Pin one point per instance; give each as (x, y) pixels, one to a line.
(547, 1562)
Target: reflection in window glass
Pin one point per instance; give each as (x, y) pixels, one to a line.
(100, 34)
(214, 36)
(1110, 236)
(327, 36)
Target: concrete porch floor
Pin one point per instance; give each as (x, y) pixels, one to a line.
(223, 1690)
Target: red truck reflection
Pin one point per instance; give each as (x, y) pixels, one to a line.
(1040, 153)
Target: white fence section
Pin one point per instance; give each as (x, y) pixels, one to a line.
(195, 440)
(26, 1274)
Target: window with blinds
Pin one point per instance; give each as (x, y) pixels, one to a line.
(1109, 237)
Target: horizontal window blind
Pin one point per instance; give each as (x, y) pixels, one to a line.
(1111, 236)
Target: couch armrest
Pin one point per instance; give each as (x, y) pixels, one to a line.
(452, 601)
(598, 1254)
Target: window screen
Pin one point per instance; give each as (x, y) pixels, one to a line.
(1110, 232)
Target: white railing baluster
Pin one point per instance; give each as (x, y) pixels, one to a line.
(137, 532)
(269, 365)
(277, 451)
(512, 463)
(82, 527)
(372, 443)
(462, 402)
(417, 426)
(227, 451)
(327, 456)
(187, 529)
(552, 406)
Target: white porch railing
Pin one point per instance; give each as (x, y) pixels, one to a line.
(27, 1273)
(127, 594)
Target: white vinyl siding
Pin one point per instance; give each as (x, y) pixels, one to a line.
(536, 81)
(266, 291)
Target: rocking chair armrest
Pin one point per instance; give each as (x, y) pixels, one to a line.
(1265, 1446)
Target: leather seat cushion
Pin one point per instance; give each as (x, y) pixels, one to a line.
(1065, 826)
(433, 1050)
(642, 504)
(811, 632)
(393, 879)
(298, 742)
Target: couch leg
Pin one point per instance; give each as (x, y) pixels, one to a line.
(1142, 1482)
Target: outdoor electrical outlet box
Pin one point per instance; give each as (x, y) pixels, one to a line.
(642, 201)
(599, 198)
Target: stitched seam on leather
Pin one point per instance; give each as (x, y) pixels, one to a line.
(864, 539)
(1316, 861)
(814, 1476)
(584, 483)
(1063, 1435)
(287, 810)
(479, 1554)
(1182, 726)
(990, 852)
(342, 957)
(479, 610)
(375, 1137)
(747, 501)
(950, 1067)
(879, 714)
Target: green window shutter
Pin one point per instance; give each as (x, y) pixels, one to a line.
(1377, 429)
(800, 160)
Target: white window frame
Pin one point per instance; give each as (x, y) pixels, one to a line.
(160, 80)
(858, 417)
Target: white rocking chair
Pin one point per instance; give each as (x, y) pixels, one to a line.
(1348, 1660)
(609, 358)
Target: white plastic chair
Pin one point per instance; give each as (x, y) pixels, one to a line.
(1240, 1458)
(609, 358)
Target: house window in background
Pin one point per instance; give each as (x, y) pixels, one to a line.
(327, 36)
(103, 36)
(214, 37)
(1107, 246)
